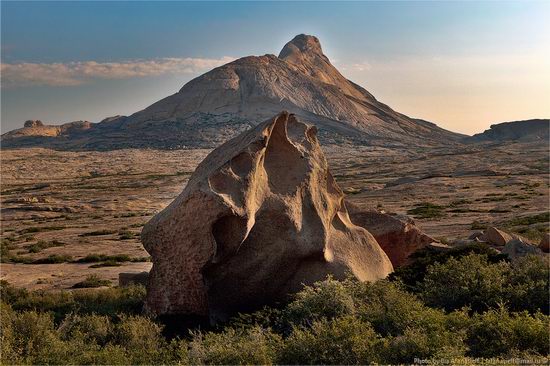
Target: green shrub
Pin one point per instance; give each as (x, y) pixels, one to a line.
(141, 337)
(324, 300)
(108, 263)
(413, 274)
(91, 258)
(31, 337)
(467, 281)
(42, 244)
(52, 259)
(91, 328)
(474, 282)
(345, 340)
(416, 343)
(498, 333)
(251, 346)
(109, 301)
(92, 281)
(426, 210)
(527, 285)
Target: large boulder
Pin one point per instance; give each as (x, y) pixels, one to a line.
(398, 237)
(260, 217)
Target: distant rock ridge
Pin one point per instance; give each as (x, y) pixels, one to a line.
(528, 130)
(229, 99)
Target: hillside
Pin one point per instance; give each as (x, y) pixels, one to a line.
(229, 99)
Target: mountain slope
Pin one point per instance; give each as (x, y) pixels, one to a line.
(226, 100)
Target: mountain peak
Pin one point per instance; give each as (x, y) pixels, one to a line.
(300, 45)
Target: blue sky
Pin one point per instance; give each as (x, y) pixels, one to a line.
(463, 65)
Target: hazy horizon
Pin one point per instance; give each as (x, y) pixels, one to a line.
(463, 66)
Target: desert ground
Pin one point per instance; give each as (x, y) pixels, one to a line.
(66, 215)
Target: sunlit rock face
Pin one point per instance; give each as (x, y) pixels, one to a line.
(260, 217)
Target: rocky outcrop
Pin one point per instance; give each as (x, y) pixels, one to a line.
(399, 238)
(260, 217)
(33, 123)
(528, 130)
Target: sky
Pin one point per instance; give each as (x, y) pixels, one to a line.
(463, 65)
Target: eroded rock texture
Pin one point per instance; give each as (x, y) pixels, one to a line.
(398, 237)
(260, 216)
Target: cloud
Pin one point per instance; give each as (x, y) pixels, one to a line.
(76, 73)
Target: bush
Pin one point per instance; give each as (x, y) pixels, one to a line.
(53, 259)
(497, 333)
(475, 282)
(527, 285)
(111, 301)
(330, 322)
(345, 340)
(426, 210)
(92, 281)
(141, 337)
(91, 258)
(251, 346)
(413, 274)
(468, 281)
(91, 328)
(324, 300)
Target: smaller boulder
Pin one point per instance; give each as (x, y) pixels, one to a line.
(397, 235)
(516, 248)
(545, 243)
(132, 278)
(496, 237)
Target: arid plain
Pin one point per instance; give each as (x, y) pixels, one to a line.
(66, 215)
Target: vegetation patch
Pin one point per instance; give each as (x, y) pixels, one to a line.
(533, 227)
(37, 229)
(426, 210)
(465, 307)
(42, 244)
(477, 225)
(53, 259)
(92, 258)
(92, 281)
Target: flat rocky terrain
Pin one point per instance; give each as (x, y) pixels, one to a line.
(67, 215)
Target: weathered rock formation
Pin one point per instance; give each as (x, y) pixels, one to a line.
(399, 238)
(260, 216)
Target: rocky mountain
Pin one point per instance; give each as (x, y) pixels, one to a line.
(229, 99)
(524, 131)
